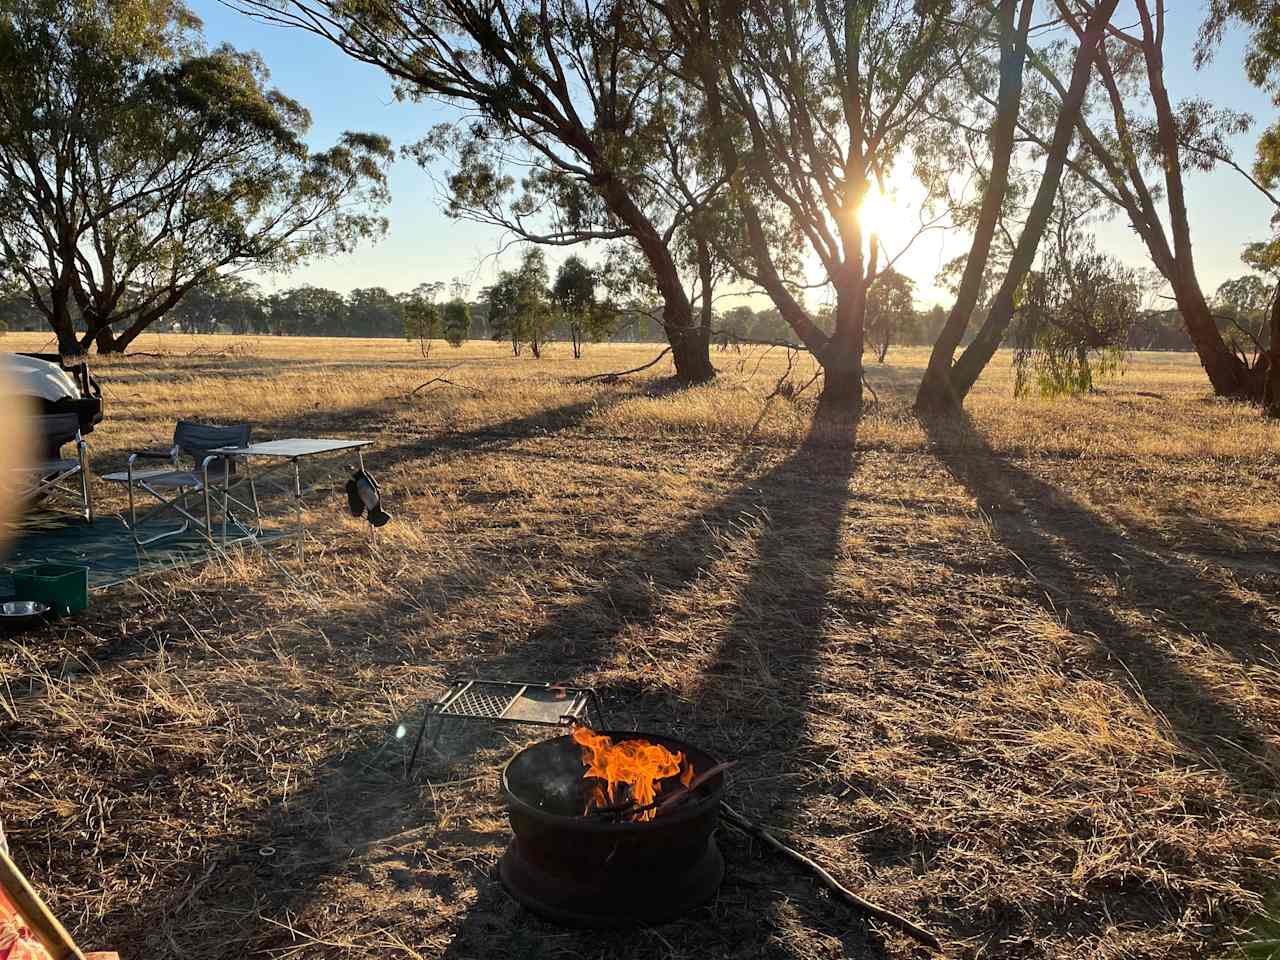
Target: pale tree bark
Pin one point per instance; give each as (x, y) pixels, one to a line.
(936, 392)
(979, 353)
(1123, 182)
(950, 393)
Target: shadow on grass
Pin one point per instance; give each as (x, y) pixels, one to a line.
(749, 701)
(1068, 550)
(350, 818)
(178, 925)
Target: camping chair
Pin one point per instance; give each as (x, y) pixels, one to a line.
(195, 441)
(53, 476)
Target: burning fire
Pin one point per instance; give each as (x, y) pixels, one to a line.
(638, 764)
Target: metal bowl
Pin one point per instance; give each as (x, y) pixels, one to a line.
(22, 611)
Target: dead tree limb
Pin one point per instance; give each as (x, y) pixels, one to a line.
(910, 928)
(440, 379)
(611, 377)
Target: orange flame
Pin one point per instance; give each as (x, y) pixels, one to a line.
(638, 764)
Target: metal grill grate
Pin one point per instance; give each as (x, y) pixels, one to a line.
(474, 702)
(545, 704)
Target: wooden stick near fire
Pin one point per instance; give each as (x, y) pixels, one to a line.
(908, 927)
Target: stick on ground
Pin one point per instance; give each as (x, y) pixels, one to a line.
(908, 927)
(610, 377)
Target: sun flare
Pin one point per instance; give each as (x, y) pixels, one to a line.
(876, 213)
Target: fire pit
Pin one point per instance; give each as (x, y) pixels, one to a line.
(597, 843)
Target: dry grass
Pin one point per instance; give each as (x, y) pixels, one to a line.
(1015, 676)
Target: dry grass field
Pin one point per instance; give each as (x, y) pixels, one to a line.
(1017, 676)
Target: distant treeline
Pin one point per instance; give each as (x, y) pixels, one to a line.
(238, 307)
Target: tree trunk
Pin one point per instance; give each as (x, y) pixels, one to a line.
(841, 359)
(106, 341)
(979, 353)
(60, 320)
(691, 350)
(1228, 374)
(68, 346)
(1271, 385)
(936, 393)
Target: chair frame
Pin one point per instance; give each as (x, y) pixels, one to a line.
(179, 501)
(52, 483)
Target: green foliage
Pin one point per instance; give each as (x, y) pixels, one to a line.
(1242, 308)
(519, 307)
(221, 301)
(148, 165)
(374, 312)
(574, 295)
(743, 323)
(423, 319)
(457, 321)
(1262, 52)
(923, 327)
(1074, 319)
(308, 311)
(890, 307)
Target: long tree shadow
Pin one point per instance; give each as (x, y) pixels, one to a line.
(749, 700)
(758, 688)
(363, 800)
(238, 865)
(1073, 556)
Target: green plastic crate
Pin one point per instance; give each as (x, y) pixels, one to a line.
(63, 587)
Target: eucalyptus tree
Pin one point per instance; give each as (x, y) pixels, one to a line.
(949, 379)
(890, 307)
(1138, 145)
(230, 300)
(137, 164)
(1077, 312)
(568, 123)
(810, 107)
(576, 300)
(520, 306)
(1262, 65)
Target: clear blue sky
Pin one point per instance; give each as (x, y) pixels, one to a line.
(424, 245)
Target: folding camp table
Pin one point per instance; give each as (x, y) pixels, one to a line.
(287, 454)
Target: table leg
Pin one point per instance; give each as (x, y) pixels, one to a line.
(297, 495)
(226, 496)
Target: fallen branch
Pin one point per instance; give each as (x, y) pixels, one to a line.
(611, 377)
(440, 379)
(908, 927)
